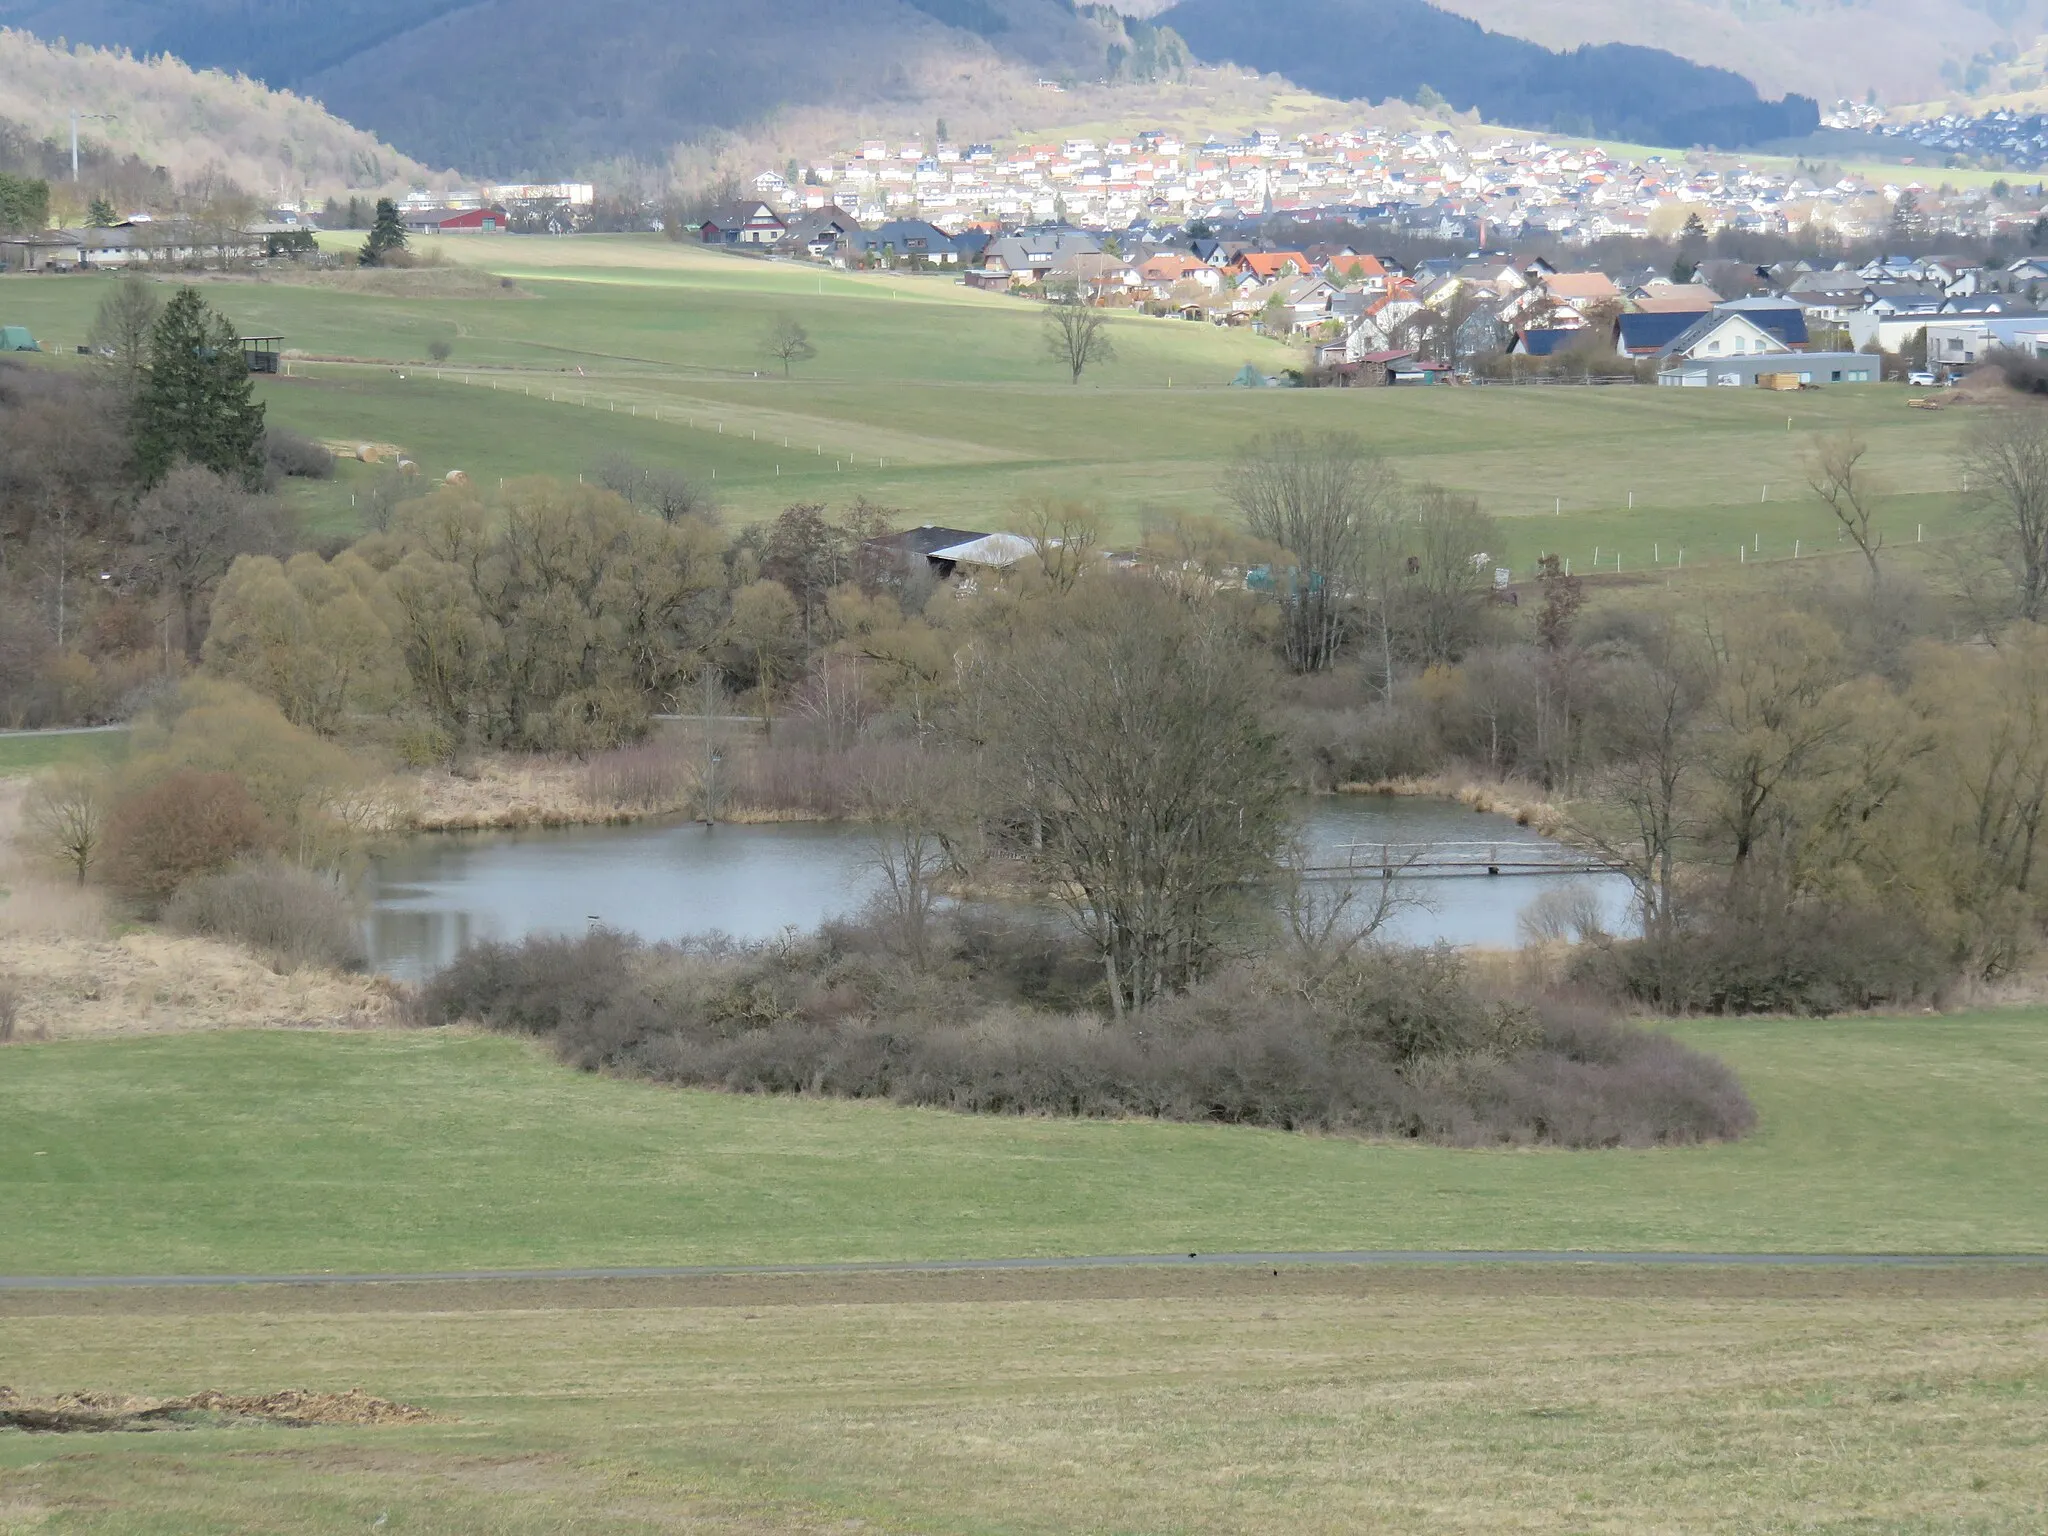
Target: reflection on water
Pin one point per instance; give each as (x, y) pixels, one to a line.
(444, 891)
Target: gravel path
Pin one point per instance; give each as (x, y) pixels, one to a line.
(1502, 1256)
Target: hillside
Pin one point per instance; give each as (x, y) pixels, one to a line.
(1404, 48)
(1826, 49)
(187, 121)
(518, 86)
(531, 87)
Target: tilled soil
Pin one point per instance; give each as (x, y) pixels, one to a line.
(108, 1412)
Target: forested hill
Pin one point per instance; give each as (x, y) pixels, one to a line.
(1381, 48)
(172, 123)
(518, 86)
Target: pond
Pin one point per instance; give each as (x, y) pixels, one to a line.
(443, 891)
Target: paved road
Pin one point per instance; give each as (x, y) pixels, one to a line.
(1106, 1261)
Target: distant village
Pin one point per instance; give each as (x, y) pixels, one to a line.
(1228, 233)
(1551, 278)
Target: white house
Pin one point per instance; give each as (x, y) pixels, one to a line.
(1721, 334)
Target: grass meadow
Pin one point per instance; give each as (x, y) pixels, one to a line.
(31, 752)
(939, 401)
(1411, 1399)
(265, 1152)
(1420, 1400)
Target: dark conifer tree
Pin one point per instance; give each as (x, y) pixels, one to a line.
(387, 234)
(197, 404)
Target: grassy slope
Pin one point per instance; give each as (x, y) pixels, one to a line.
(940, 401)
(1318, 1404)
(237, 1152)
(26, 754)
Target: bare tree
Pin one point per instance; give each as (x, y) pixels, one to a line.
(66, 812)
(1076, 336)
(187, 533)
(910, 814)
(1836, 472)
(2005, 460)
(1443, 572)
(1635, 814)
(669, 494)
(120, 332)
(1064, 535)
(1327, 916)
(1126, 733)
(788, 343)
(712, 703)
(1324, 502)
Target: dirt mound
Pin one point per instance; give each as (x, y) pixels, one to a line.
(108, 1412)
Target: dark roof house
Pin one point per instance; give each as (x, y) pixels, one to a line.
(910, 240)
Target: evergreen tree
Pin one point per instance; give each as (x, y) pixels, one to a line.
(101, 215)
(387, 234)
(24, 204)
(197, 404)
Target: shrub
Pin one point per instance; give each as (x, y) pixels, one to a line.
(10, 1009)
(293, 454)
(295, 916)
(1808, 961)
(799, 775)
(539, 987)
(2023, 370)
(188, 823)
(658, 775)
(1397, 1044)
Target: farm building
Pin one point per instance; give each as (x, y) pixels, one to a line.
(455, 221)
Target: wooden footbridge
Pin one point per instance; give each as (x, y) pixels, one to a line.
(1452, 861)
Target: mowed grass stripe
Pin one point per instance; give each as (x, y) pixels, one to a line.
(275, 1152)
(1397, 1401)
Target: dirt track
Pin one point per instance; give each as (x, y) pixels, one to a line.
(977, 1287)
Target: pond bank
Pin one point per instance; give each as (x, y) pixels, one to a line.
(1522, 804)
(515, 794)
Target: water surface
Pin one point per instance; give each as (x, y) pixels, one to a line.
(443, 891)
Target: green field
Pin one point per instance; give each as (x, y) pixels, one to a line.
(1408, 1399)
(1314, 1402)
(394, 1152)
(939, 401)
(28, 753)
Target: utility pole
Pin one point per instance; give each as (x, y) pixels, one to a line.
(76, 119)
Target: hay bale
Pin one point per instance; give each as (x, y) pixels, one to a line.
(455, 477)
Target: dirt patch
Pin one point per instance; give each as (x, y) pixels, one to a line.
(111, 1413)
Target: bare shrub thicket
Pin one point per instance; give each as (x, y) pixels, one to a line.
(292, 454)
(296, 917)
(1811, 960)
(1389, 1044)
(650, 776)
(10, 1008)
(188, 823)
(797, 775)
